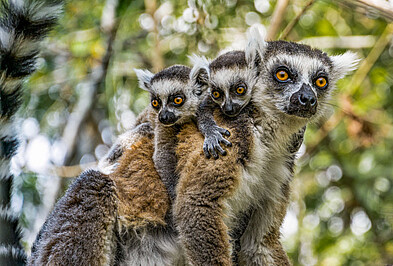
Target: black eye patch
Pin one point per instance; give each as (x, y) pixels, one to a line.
(174, 98)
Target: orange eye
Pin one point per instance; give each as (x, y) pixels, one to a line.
(216, 94)
(282, 75)
(321, 82)
(178, 100)
(154, 103)
(240, 90)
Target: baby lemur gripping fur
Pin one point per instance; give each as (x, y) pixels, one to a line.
(290, 84)
(176, 94)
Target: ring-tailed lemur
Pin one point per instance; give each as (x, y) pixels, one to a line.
(23, 25)
(176, 94)
(293, 83)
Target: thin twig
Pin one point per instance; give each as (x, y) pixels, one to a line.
(292, 24)
(157, 60)
(383, 8)
(277, 18)
(71, 171)
(341, 42)
(372, 57)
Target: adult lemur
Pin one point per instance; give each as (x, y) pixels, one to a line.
(290, 84)
(23, 25)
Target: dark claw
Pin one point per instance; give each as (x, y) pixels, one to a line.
(226, 142)
(206, 151)
(213, 152)
(224, 132)
(221, 150)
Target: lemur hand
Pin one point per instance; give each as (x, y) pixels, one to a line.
(212, 142)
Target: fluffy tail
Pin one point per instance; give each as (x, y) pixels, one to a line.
(23, 24)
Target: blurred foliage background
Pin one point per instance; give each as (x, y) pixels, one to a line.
(85, 94)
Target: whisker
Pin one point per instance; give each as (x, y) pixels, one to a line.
(349, 113)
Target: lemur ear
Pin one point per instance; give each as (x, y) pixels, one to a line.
(255, 49)
(344, 63)
(144, 78)
(200, 73)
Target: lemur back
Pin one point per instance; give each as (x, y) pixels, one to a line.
(103, 219)
(23, 25)
(282, 103)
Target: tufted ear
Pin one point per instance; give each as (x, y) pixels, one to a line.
(144, 78)
(344, 63)
(200, 73)
(255, 49)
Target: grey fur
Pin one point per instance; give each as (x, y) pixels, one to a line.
(81, 228)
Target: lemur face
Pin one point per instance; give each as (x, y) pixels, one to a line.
(298, 80)
(231, 82)
(173, 95)
(172, 102)
(231, 79)
(297, 84)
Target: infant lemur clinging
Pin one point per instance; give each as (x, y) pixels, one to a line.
(176, 93)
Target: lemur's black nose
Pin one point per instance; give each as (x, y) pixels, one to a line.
(307, 98)
(229, 108)
(167, 118)
(303, 102)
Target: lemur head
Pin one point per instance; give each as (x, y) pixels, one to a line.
(297, 80)
(233, 75)
(175, 95)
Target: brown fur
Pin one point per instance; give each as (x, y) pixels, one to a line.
(148, 115)
(202, 187)
(143, 198)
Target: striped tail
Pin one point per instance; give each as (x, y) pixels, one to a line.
(23, 24)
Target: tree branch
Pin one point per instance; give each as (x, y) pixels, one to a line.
(383, 8)
(277, 18)
(367, 64)
(342, 42)
(157, 59)
(292, 24)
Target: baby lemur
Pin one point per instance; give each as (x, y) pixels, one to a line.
(290, 85)
(176, 93)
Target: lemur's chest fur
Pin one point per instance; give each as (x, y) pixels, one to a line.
(263, 174)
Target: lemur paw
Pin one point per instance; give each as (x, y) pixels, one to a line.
(213, 140)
